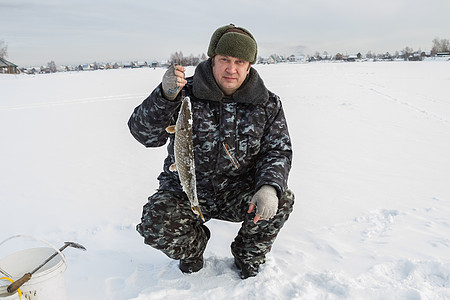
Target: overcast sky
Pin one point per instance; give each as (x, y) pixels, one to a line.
(84, 31)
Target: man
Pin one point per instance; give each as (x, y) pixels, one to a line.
(242, 155)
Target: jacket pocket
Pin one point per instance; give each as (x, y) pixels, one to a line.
(249, 139)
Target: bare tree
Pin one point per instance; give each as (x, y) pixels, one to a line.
(339, 56)
(440, 46)
(3, 49)
(445, 43)
(370, 55)
(407, 52)
(176, 58)
(52, 66)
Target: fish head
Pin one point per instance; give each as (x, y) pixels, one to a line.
(184, 121)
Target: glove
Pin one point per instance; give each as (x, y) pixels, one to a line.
(266, 202)
(173, 81)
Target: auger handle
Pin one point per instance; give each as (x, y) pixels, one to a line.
(18, 283)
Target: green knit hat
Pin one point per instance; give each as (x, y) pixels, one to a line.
(233, 41)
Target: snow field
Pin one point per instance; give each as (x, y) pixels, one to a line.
(370, 174)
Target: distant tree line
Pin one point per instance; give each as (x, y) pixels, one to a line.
(191, 60)
(438, 46)
(408, 53)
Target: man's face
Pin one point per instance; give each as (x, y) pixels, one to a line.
(229, 73)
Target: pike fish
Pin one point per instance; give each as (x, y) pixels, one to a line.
(184, 154)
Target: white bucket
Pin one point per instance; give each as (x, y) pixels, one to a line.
(46, 284)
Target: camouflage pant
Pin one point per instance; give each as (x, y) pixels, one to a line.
(168, 224)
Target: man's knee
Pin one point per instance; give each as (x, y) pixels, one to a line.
(163, 217)
(168, 224)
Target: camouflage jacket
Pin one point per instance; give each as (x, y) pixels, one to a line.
(239, 140)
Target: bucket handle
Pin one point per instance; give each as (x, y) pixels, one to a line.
(39, 240)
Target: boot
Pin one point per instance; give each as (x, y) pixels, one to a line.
(191, 265)
(246, 269)
(194, 264)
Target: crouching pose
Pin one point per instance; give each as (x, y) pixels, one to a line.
(242, 153)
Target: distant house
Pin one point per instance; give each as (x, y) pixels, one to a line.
(141, 64)
(274, 59)
(271, 60)
(292, 58)
(155, 64)
(7, 67)
(416, 56)
(128, 64)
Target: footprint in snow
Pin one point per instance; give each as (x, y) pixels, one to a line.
(377, 222)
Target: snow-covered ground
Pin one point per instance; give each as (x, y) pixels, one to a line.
(371, 175)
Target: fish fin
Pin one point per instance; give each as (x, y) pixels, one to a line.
(171, 129)
(173, 167)
(197, 211)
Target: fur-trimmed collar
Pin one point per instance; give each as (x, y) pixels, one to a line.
(252, 90)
